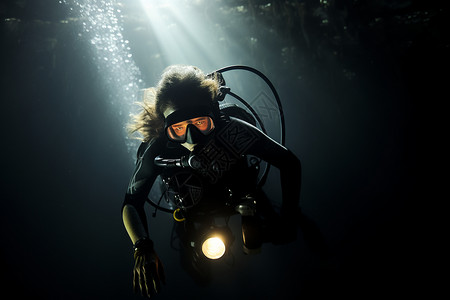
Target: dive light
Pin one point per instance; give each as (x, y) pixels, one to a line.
(213, 247)
(214, 242)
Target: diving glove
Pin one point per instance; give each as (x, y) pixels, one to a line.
(148, 270)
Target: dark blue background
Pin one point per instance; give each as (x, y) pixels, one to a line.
(358, 113)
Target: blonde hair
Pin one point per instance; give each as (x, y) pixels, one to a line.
(180, 86)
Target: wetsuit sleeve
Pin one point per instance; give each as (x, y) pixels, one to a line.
(138, 189)
(282, 158)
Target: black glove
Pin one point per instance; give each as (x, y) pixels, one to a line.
(148, 269)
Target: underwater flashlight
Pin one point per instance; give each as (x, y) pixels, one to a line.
(213, 247)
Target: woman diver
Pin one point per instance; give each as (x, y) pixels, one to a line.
(181, 118)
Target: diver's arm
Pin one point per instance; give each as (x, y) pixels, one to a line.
(148, 271)
(133, 222)
(282, 158)
(133, 213)
(290, 176)
(290, 173)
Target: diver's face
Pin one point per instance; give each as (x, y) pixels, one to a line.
(188, 146)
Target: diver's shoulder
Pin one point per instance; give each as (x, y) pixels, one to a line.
(241, 123)
(154, 144)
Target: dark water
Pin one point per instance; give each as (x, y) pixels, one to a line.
(360, 88)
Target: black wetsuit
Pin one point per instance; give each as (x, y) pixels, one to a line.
(225, 167)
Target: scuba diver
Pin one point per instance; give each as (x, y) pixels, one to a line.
(208, 156)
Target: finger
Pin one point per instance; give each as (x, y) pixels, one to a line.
(140, 276)
(142, 282)
(155, 278)
(159, 269)
(135, 283)
(148, 279)
(136, 277)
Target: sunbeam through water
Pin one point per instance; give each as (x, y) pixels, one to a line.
(102, 22)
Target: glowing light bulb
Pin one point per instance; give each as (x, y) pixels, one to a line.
(213, 248)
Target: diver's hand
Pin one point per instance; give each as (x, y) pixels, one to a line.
(148, 270)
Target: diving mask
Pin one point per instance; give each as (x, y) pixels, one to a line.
(189, 124)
